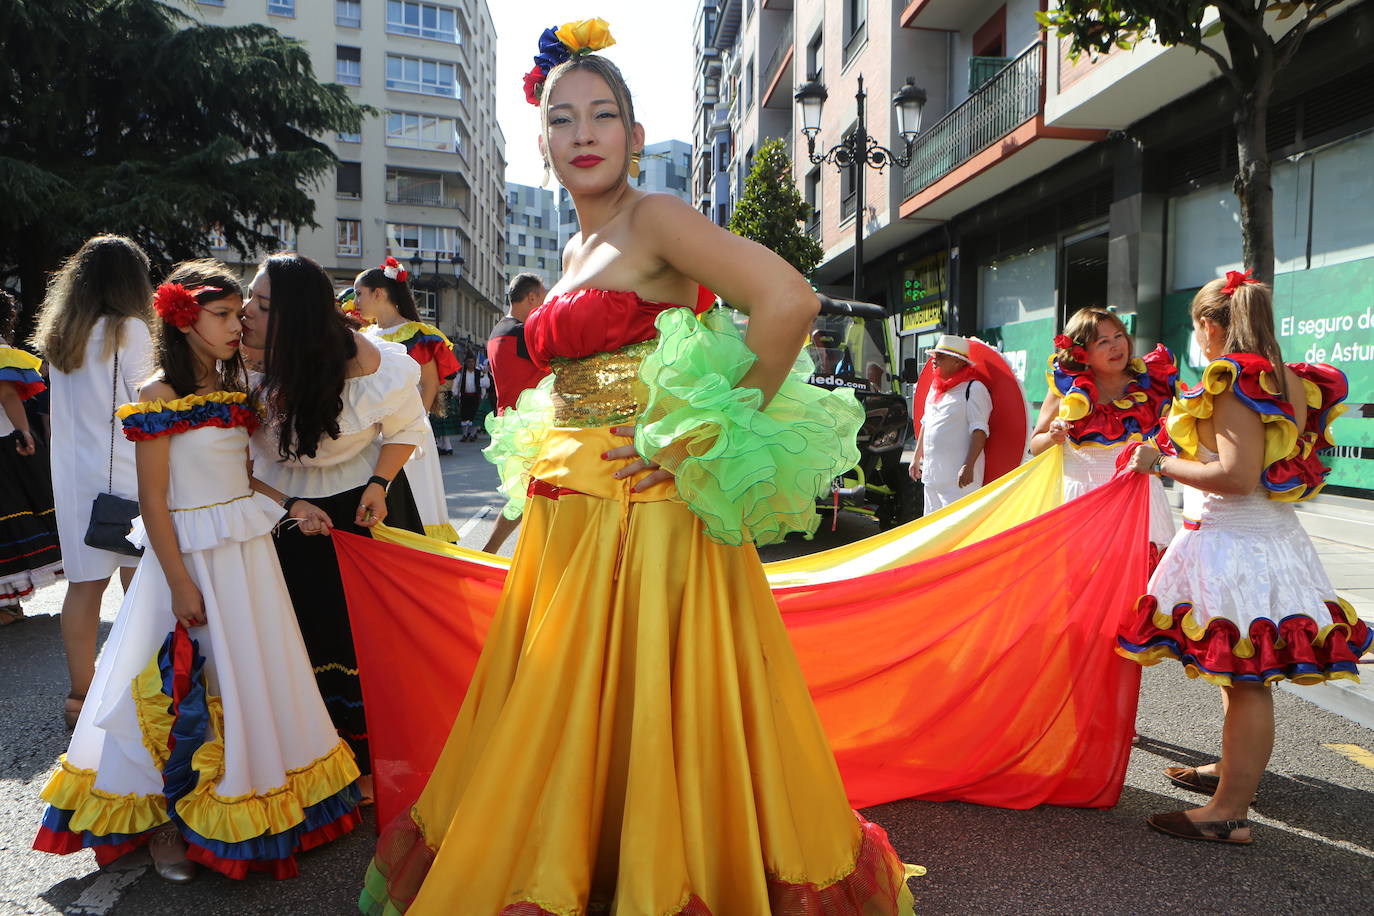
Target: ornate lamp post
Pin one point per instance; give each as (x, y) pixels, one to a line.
(859, 151)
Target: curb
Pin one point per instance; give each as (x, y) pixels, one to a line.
(1351, 700)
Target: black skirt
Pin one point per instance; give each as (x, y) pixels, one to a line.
(29, 552)
(467, 407)
(311, 570)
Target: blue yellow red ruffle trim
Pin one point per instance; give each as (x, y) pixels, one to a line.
(1294, 648)
(150, 419)
(1134, 417)
(182, 726)
(1293, 470)
(425, 343)
(20, 369)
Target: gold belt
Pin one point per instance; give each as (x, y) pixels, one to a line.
(601, 389)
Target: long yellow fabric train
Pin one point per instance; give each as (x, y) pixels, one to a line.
(967, 655)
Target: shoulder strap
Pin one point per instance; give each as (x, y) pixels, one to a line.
(114, 398)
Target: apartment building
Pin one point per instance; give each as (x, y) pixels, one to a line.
(532, 233)
(1039, 184)
(664, 167)
(423, 181)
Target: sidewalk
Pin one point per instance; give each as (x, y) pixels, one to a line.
(1351, 568)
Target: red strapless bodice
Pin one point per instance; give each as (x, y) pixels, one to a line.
(582, 322)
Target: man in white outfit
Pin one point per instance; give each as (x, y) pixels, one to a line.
(954, 429)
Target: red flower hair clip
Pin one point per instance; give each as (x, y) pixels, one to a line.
(394, 271)
(1235, 280)
(1064, 343)
(177, 305)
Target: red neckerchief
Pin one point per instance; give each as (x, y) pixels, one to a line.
(970, 373)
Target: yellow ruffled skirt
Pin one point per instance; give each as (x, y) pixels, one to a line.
(637, 737)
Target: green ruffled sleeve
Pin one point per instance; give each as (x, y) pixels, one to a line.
(516, 437)
(748, 474)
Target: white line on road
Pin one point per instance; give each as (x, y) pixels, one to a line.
(472, 522)
(104, 892)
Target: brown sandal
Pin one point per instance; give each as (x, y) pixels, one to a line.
(71, 709)
(10, 613)
(1177, 823)
(1190, 778)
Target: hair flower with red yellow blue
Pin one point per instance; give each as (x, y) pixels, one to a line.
(561, 43)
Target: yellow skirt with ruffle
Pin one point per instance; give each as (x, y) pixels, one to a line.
(637, 735)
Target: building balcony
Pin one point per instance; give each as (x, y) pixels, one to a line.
(993, 140)
(777, 73)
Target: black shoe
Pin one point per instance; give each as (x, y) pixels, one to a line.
(445, 451)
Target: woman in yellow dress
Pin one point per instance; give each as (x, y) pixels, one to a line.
(637, 737)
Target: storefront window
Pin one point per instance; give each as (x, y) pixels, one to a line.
(1017, 288)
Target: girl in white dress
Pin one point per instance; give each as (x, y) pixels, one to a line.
(383, 297)
(93, 330)
(204, 735)
(1102, 398)
(1240, 597)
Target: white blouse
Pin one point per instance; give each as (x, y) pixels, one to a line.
(380, 408)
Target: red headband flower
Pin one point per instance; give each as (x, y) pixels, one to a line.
(394, 271)
(1073, 351)
(1235, 280)
(177, 305)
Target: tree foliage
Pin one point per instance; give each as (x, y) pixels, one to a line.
(771, 211)
(129, 116)
(1260, 38)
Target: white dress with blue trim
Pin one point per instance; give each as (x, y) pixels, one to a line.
(219, 729)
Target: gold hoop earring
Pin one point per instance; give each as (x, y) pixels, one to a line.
(547, 172)
(634, 165)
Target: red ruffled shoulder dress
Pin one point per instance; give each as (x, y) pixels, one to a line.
(1241, 597)
(637, 736)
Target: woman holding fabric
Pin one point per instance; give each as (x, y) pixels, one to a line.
(343, 416)
(637, 736)
(1102, 398)
(1240, 597)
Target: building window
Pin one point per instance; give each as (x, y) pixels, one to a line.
(815, 57)
(418, 74)
(855, 26)
(215, 238)
(522, 239)
(524, 261)
(284, 233)
(423, 20)
(421, 131)
(348, 180)
(424, 189)
(346, 137)
(348, 65)
(813, 197)
(348, 238)
(404, 239)
(427, 304)
(513, 199)
(281, 8)
(748, 78)
(348, 13)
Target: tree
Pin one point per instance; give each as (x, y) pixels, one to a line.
(128, 116)
(770, 210)
(1251, 65)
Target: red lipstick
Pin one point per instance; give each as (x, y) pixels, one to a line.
(587, 160)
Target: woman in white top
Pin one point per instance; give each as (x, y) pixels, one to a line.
(93, 331)
(343, 416)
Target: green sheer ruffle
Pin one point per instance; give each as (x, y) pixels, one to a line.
(516, 438)
(748, 474)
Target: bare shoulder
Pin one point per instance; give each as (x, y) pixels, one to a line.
(155, 389)
(655, 207)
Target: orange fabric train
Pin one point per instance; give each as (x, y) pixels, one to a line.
(985, 674)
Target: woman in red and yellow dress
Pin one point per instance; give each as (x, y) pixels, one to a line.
(637, 737)
(1240, 597)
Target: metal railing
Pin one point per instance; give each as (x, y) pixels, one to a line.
(1008, 99)
(848, 205)
(982, 69)
(770, 70)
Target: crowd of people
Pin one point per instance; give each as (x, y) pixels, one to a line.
(638, 734)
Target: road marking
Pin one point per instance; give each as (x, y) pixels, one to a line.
(472, 522)
(1353, 752)
(104, 892)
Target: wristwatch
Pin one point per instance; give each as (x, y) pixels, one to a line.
(379, 480)
(1157, 467)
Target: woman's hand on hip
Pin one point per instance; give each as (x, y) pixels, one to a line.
(640, 463)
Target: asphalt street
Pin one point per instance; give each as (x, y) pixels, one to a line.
(1314, 849)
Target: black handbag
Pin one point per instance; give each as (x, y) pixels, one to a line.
(112, 517)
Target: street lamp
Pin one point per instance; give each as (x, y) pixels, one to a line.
(859, 151)
(417, 263)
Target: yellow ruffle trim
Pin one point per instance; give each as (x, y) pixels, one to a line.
(411, 328)
(183, 403)
(444, 532)
(1156, 654)
(241, 817)
(15, 358)
(1244, 648)
(102, 813)
(1281, 438)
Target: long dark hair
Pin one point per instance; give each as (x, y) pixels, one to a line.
(174, 356)
(396, 290)
(308, 348)
(9, 311)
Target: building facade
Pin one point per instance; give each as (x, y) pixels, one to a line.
(532, 233)
(664, 167)
(1040, 184)
(423, 181)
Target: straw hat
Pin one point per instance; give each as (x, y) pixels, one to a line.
(953, 345)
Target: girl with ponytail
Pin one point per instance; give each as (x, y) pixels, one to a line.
(1240, 597)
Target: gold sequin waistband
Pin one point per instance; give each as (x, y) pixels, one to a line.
(601, 389)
